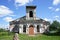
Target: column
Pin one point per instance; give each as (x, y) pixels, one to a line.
(21, 28)
(35, 28)
(27, 29)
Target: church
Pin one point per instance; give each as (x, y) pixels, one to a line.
(29, 24)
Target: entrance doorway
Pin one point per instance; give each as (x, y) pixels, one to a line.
(31, 30)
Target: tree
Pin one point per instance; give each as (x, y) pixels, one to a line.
(55, 26)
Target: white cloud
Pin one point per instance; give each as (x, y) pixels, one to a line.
(57, 16)
(5, 11)
(50, 20)
(57, 19)
(56, 2)
(22, 2)
(54, 9)
(50, 7)
(46, 19)
(57, 9)
(8, 19)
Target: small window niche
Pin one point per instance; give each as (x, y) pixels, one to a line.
(30, 14)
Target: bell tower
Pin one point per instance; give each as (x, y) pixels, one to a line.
(30, 12)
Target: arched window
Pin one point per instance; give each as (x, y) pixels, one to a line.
(24, 28)
(38, 28)
(30, 14)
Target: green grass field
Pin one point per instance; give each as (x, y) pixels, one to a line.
(6, 36)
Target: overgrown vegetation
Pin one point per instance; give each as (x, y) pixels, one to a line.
(5, 36)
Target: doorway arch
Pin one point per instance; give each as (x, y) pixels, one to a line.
(31, 30)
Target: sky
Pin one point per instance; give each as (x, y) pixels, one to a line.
(48, 10)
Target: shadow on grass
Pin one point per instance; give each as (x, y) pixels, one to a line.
(52, 34)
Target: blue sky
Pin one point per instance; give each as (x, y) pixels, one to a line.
(48, 10)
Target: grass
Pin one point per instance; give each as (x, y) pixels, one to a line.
(38, 37)
(6, 36)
